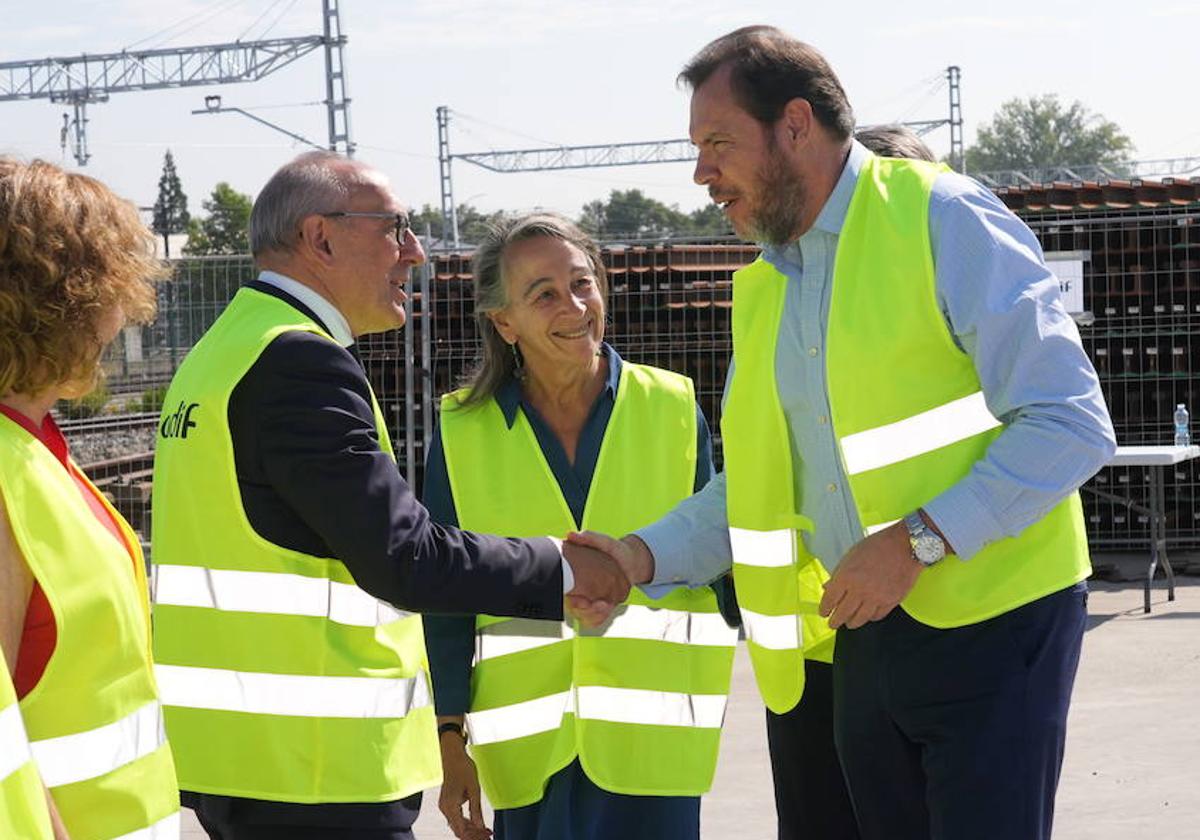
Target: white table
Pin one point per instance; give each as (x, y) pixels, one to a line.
(1156, 459)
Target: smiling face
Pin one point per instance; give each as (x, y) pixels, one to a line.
(368, 268)
(741, 163)
(555, 311)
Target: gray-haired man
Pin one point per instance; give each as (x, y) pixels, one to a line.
(298, 704)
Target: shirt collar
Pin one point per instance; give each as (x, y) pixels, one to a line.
(833, 213)
(336, 323)
(510, 397)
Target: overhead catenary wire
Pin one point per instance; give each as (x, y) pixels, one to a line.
(258, 19)
(496, 127)
(195, 20)
(287, 9)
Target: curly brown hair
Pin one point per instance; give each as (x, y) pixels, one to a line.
(70, 253)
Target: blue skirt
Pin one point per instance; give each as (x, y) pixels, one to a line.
(574, 808)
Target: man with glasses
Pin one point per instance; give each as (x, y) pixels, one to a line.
(299, 704)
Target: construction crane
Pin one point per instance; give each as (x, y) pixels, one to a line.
(85, 80)
(629, 154)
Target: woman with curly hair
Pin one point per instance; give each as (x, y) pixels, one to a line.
(76, 264)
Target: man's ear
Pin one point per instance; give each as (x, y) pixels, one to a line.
(314, 239)
(796, 123)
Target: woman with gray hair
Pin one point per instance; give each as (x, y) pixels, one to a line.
(578, 733)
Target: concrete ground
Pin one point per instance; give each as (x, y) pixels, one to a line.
(1132, 769)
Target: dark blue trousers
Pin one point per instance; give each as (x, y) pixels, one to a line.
(574, 808)
(958, 734)
(236, 818)
(811, 800)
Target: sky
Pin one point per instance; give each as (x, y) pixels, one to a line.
(528, 73)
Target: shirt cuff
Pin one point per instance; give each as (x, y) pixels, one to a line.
(967, 524)
(568, 575)
(670, 567)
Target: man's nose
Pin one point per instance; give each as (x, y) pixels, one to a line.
(411, 250)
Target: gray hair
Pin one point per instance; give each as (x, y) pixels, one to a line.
(895, 141)
(315, 182)
(497, 359)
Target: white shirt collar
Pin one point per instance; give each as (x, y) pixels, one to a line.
(337, 324)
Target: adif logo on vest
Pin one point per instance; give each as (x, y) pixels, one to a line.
(177, 424)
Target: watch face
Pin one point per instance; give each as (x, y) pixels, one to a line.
(929, 548)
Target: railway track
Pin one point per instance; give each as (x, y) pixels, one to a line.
(109, 423)
(126, 469)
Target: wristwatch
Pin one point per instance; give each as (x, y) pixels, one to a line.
(927, 547)
(450, 726)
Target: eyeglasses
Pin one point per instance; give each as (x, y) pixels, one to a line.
(401, 222)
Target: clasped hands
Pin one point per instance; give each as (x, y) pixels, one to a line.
(604, 568)
(871, 579)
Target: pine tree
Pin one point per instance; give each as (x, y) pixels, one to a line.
(170, 209)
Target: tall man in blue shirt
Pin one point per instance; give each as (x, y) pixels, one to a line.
(941, 733)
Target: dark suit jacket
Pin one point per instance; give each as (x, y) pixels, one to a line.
(313, 479)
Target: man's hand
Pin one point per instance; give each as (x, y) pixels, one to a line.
(871, 580)
(460, 784)
(630, 552)
(600, 584)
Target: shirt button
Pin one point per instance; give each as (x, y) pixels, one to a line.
(823, 420)
(812, 351)
(831, 487)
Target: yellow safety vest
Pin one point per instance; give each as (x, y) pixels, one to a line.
(641, 700)
(909, 431)
(281, 679)
(779, 583)
(907, 409)
(93, 720)
(23, 811)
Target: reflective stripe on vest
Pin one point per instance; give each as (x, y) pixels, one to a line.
(282, 680)
(602, 703)
(288, 694)
(271, 592)
(769, 549)
(68, 759)
(925, 432)
(628, 621)
(14, 748)
(653, 680)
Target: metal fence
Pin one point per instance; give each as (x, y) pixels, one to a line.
(669, 305)
(1141, 282)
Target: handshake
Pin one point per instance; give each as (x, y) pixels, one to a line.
(604, 569)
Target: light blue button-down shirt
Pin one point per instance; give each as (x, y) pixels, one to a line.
(1003, 307)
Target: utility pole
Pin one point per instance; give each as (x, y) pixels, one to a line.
(337, 103)
(958, 160)
(449, 211)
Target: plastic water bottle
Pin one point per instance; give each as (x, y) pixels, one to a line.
(1183, 436)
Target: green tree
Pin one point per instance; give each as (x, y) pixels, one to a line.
(225, 229)
(472, 223)
(709, 220)
(632, 213)
(1041, 131)
(170, 208)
